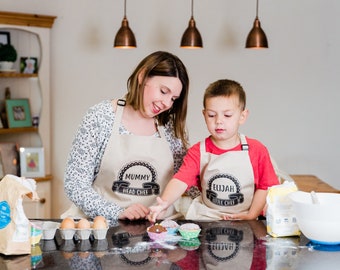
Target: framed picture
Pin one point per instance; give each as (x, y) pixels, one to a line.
(29, 65)
(32, 161)
(18, 113)
(5, 37)
(9, 155)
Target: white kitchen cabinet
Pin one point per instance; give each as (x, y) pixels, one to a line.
(30, 35)
(42, 207)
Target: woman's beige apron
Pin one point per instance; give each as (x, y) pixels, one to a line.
(227, 182)
(134, 169)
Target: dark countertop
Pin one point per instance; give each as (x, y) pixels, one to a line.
(220, 245)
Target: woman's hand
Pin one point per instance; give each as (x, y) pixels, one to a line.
(156, 210)
(134, 211)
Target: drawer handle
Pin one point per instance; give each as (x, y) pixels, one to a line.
(42, 200)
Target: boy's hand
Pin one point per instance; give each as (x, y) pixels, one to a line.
(239, 216)
(156, 210)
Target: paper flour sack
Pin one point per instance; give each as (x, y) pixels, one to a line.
(15, 228)
(281, 219)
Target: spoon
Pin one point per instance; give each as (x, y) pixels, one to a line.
(315, 199)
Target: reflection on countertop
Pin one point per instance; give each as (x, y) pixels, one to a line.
(220, 245)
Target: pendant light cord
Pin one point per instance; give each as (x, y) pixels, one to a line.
(192, 8)
(124, 8)
(257, 8)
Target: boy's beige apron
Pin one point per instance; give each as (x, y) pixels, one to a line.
(227, 182)
(134, 169)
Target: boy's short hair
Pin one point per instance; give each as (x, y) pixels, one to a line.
(226, 88)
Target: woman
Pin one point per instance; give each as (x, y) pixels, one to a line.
(126, 150)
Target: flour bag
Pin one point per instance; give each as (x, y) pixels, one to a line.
(15, 228)
(281, 219)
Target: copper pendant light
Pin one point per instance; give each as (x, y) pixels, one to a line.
(256, 38)
(191, 38)
(125, 39)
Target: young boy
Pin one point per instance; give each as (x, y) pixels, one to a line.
(232, 171)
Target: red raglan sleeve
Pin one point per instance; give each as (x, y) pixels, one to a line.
(189, 171)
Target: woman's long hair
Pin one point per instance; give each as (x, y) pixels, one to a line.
(161, 63)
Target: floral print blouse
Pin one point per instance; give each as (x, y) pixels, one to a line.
(85, 157)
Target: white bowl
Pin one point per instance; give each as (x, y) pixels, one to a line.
(320, 223)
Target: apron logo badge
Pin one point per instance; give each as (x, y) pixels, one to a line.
(137, 178)
(224, 190)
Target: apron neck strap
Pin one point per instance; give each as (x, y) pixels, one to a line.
(118, 115)
(121, 103)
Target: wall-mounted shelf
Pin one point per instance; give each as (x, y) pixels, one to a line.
(17, 130)
(17, 75)
(30, 35)
(47, 177)
(25, 19)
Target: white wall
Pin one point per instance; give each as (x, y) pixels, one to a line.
(293, 87)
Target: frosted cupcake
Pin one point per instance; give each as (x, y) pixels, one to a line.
(157, 232)
(170, 225)
(189, 230)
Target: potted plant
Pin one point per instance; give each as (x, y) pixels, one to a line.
(8, 55)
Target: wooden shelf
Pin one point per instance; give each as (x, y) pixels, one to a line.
(31, 33)
(17, 130)
(47, 177)
(26, 19)
(17, 75)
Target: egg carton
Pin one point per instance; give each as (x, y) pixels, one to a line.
(83, 234)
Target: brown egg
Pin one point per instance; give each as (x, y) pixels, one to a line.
(99, 218)
(83, 224)
(67, 223)
(99, 223)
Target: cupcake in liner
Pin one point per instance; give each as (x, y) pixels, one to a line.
(189, 230)
(171, 226)
(157, 232)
